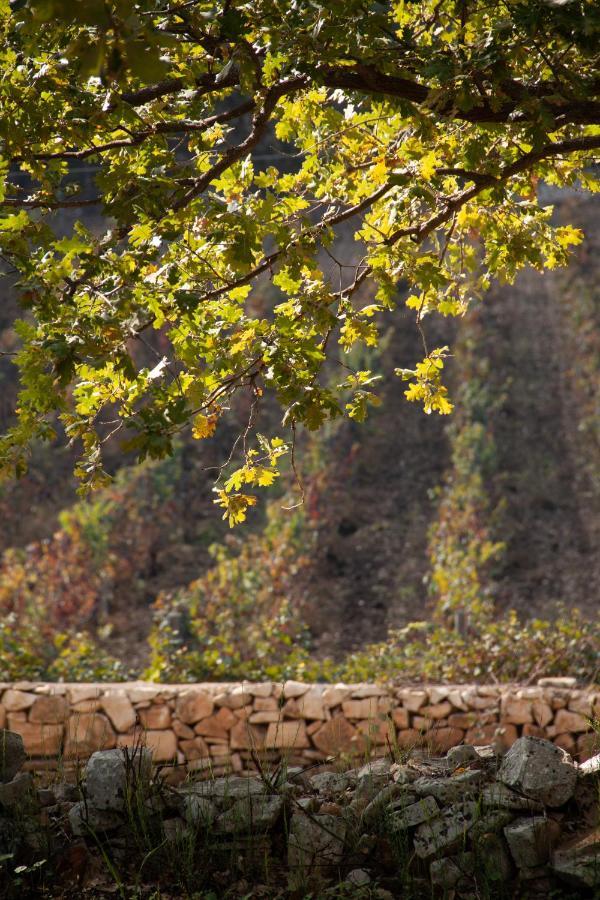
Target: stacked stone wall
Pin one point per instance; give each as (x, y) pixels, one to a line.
(223, 727)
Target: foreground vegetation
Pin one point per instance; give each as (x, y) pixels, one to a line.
(407, 825)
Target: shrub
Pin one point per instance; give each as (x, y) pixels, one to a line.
(241, 619)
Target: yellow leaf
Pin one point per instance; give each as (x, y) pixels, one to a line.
(264, 477)
(428, 164)
(204, 426)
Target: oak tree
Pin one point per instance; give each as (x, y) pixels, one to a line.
(426, 128)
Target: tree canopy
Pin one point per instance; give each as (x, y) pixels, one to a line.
(425, 127)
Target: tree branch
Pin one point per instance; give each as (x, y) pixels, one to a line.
(369, 80)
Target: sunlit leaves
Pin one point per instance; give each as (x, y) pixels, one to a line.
(204, 426)
(427, 387)
(231, 147)
(236, 506)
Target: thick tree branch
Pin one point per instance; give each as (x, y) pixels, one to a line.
(367, 79)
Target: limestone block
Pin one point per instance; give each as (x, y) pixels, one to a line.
(374, 731)
(78, 692)
(475, 701)
(225, 791)
(18, 795)
(401, 717)
(516, 711)
(413, 699)
(15, 701)
(539, 770)
(453, 789)
(49, 710)
(570, 721)
(88, 732)
(335, 696)
(310, 704)
(445, 832)
(578, 860)
(109, 776)
(283, 735)
(582, 704)
(218, 749)
(331, 784)
(86, 706)
(462, 720)
(408, 738)
(193, 706)
(499, 796)
(86, 820)
(119, 710)
(263, 718)
(195, 749)
(530, 730)
(462, 755)
(542, 712)
(362, 691)
(436, 710)
(55, 689)
(566, 742)
(142, 693)
(14, 720)
(198, 811)
(414, 814)
(530, 840)
(265, 704)
(588, 746)
(335, 736)
(155, 717)
(218, 725)
(447, 872)
(446, 737)
(162, 744)
(182, 731)
(559, 681)
(41, 740)
(421, 723)
(490, 690)
(236, 698)
(264, 689)
(315, 847)
(362, 709)
(502, 736)
(245, 736)
(292, 689)
(313, 727)
(250, 814)
(456, 699)
(438, 693)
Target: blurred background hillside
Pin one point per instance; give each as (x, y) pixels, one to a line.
(406, 517)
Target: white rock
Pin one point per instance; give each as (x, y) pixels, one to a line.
(87, 822)
(422, 811)
(12, 754)
(358, 877)
(539, 770)
(198, 811)
(446, 831)
(529, 841)
(109, 778)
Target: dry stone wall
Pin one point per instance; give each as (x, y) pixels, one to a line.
(223, 727)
